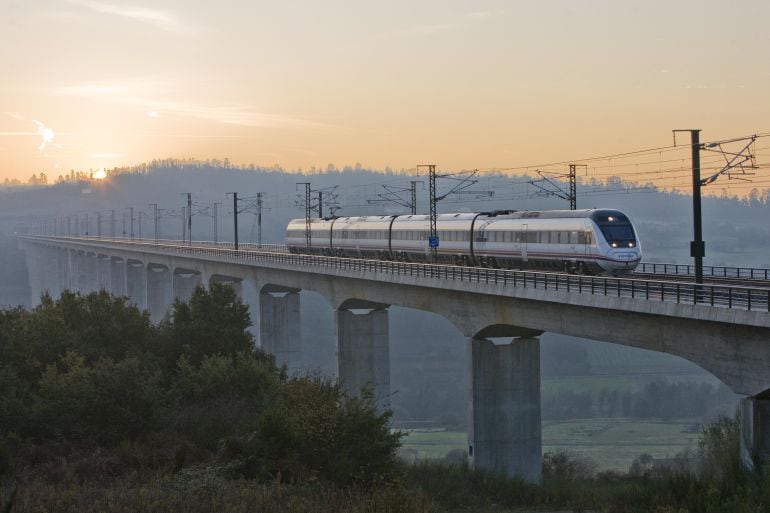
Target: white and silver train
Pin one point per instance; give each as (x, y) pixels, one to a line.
(595, 241)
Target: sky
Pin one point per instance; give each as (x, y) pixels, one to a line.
(88, 84)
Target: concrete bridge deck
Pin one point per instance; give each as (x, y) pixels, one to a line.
(724, 329)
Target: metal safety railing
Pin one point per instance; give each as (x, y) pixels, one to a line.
(724, 296)
(709, 271)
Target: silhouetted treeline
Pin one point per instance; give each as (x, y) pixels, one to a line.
(734, 227)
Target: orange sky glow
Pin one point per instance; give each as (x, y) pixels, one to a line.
(89, 84)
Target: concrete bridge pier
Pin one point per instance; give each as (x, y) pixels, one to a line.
(279, 326)
(50, 269)
(62, 264)
(104, 279)
(755, 431)
(80, 273)
(92, 272)
(363, 351)
(184, 282)
(136, 283)
(504, 432)
(118, 276)
(35, 276)
(159, 291)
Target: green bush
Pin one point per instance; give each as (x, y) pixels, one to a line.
(105, 403)
(313, 430)
(213, 322)
(221, 397)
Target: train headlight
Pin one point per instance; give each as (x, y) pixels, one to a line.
(630, 244)
(614, 244)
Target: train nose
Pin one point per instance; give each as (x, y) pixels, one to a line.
(626, 256)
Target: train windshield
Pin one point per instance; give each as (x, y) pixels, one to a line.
(617, 229)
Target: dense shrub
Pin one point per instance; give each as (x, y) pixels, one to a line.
(89, 378)
(313, 430)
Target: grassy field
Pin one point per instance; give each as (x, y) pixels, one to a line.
(611, 443)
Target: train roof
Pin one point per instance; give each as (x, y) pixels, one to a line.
(592, 213)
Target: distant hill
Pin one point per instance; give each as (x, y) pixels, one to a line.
(736, 230)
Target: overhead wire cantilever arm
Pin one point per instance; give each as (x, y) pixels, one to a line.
(555, 188)
(733, 160)
(463, 183)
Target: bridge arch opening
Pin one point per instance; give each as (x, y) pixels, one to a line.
(159, 290)
(184, 283)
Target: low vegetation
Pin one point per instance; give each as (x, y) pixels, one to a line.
(100, 410)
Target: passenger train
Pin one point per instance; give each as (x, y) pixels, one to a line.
(595, 241)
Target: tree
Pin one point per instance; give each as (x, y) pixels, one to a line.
(213, 322)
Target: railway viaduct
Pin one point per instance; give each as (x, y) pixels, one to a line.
(501, 313)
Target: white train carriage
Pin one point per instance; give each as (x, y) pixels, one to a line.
(586, 241)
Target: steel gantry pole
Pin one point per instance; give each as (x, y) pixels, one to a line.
(189, 217)
(433, 240)
(99, 225)
(697, 246)
(572, 187)
(260, 195)
(112, 223)
(155, 219)
(307, 213)
(216, 220)
(235, 218)
(413, 194)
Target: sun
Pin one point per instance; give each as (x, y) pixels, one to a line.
(100, 175)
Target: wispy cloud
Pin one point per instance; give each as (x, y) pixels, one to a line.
(14, 115)
(155, 17)
(140, 94)
(451, 24)
(45, 133)
(427, 30)
(483, 15)
(104, 155)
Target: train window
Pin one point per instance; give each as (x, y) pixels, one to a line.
(574, 237)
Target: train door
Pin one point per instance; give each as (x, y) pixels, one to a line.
(524, 228)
